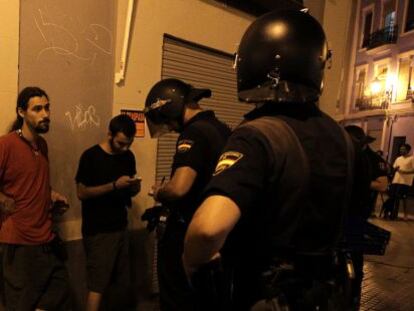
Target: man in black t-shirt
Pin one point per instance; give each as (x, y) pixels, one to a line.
(173, 105)
(105, 183)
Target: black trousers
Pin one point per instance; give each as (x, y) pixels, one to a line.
(175, 292)
(34, 277)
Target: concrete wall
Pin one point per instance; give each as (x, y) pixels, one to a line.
(316, 8)
(403, 126)
(9, 54)
(336, 17)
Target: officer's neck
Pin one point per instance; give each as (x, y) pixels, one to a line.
(190, 113)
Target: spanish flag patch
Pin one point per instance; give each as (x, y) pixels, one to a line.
(184, 145)
(227, 159)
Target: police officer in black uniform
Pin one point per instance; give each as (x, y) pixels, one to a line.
(173, 105)
(275, 208)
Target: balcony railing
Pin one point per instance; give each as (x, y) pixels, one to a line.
(372, 102)
(383, 36)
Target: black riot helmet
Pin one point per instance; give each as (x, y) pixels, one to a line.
(281, 58)
(165, 104)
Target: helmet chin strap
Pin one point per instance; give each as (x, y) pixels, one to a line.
(179, 122)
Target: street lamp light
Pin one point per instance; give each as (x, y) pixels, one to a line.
(375, 86)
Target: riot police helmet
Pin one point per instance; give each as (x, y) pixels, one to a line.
(165, 104)
(281, 58)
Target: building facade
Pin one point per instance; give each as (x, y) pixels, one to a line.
(381, 97)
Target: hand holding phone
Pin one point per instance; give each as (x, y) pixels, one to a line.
(135, 185)
(135, 180)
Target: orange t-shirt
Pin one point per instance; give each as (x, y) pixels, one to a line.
(24, 176)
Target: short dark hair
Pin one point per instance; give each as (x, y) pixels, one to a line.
(122, 123)
(23, 100)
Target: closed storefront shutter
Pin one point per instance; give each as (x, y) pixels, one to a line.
(201, 67)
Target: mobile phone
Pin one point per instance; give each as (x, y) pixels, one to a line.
(136, 179)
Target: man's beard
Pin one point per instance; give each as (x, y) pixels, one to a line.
(42, 127)
(113, 148)
(111, 143)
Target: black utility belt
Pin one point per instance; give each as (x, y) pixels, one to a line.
(304, 265)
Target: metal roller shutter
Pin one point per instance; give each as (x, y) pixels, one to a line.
(201, 67)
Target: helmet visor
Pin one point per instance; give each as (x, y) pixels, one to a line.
(157, 129)
(158, 123)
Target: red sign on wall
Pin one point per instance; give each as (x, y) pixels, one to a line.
(139, 119)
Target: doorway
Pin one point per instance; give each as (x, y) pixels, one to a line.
(396, 143)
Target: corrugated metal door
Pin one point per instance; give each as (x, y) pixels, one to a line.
(201, 67)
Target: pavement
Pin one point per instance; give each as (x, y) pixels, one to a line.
(389, 280)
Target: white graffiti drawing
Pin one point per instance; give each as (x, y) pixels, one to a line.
(99, 32)
(73, 42)
(83, 119)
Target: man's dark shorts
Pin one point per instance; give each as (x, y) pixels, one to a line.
(107, 260)
(34, 277)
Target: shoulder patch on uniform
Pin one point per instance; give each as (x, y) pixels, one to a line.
(227, 159)
(184, 145)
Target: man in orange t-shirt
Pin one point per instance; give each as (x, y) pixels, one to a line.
(34, 274)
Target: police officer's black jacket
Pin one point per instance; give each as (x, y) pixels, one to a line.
(292, 186)
(198, 146)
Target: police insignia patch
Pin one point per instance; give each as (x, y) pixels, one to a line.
(184, 145)
(227, 160)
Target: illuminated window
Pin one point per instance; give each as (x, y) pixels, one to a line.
(360, 88)
(381, 77)
(409, 17)
(360, 84)
(405, 77)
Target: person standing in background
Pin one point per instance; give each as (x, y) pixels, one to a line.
(379, 179)
(374, 166)
(106, 182)
(35, 276)
(403, 179)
